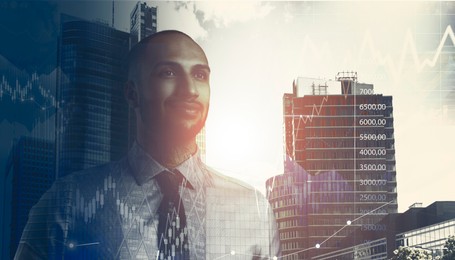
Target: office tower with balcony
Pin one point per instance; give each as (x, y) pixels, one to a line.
(339, 177)
(92, 117)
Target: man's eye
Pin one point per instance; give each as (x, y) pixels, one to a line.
(167, 73)
(200, 75)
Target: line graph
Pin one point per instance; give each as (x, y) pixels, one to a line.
(317, 108)
(396, 67)
(315, 111)
(368, 48)
(32, 91)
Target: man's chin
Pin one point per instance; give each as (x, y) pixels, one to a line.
(183, 132)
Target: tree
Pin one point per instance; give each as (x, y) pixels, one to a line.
(449, 249)
(411, 253)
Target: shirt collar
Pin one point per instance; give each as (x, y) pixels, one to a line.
(144, 167)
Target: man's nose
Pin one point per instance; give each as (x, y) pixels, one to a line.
(187, 86)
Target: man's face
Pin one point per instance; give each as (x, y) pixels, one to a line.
(173, 88)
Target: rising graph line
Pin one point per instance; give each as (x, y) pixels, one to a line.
(317, 108)
(395, 65)
(348, 223)
(409, 47)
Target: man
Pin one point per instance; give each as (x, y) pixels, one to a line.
(160, 201)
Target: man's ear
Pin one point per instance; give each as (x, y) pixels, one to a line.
(131, 94)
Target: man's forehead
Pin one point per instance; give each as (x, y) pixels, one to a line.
(174, 47)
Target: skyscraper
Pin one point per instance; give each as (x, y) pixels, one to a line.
(92, 117)
(31, 164)
(339, 174)
(143, 22)
(200, 141)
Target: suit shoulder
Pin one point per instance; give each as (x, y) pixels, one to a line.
(232, 192)
(223, 181)
(95, 173)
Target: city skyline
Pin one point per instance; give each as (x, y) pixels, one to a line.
(254, 121)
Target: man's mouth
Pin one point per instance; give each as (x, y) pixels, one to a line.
(188, 109)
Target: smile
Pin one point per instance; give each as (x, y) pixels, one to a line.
(188, 109)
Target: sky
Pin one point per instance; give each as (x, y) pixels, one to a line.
(257, 49)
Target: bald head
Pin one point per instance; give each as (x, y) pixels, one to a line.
(158, 45)
(168, 87)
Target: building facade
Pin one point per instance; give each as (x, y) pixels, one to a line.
(143, 22)
(431, 237)
(92, 117)
(425, 228)
(31, 164)
(339, 171)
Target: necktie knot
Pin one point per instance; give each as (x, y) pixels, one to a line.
(169, 183)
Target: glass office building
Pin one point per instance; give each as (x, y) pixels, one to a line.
(143, 23)
(339, 171)
(92, 117)
(31, 164)
(431, 237)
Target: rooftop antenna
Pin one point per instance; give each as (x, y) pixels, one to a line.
(113, 11)
(346, 75)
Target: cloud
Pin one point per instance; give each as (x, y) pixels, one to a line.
(195, 18)
(224, 14)
(179, 16)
